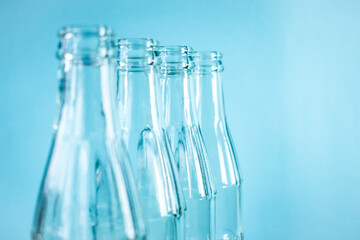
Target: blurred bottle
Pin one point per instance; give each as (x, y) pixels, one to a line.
(143, 131)
(222, 156)
(87, 190)
(186, 142)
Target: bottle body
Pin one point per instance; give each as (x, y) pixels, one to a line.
(87, 191)
(86, 206)
(221, 151)
(143, 133)
(228, 184)
(200, 199)
(187, 143)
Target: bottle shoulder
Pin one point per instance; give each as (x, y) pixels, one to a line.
(223, 157)
(192, 161)
(84, 176)
(154, 170)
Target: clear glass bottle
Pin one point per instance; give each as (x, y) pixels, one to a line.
(87, 191)
(186, 142)
(222, 156)
(143, 131)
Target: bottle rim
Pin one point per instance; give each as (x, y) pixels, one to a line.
(85, 44)
(176, 49)
(208, 61)
(69, 31)
(176, 58)
(208, 55)
(137, 54)
(137, 43)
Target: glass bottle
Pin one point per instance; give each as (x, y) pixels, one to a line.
(222, 156)
(186, 142)
(87, 191)
(142, 128)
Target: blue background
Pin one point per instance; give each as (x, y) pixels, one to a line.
(291, 82)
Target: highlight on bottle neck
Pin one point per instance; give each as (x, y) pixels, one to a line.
(86, 44)
(137, 54)
(208, 61)
(176, 58)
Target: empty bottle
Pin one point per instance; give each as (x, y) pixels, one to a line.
(222, 156)
(186, 142)
(143, 131)
(87, 191)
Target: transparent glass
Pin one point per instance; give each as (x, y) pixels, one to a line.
(187, 143)
(87, 191)
(222, 156)
(144, 135)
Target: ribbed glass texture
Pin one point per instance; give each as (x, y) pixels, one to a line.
(143, 131)
(186, 142)
(222, 156)
(87, 191)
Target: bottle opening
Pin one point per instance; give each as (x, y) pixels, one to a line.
(85, 43)
(137, 53)
(208, 61)
(85, 30)
(138, 43)
(176, 58)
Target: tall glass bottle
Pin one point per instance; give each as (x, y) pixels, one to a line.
(143, 131)
(222, 156)
(186, 142)
(87, 190)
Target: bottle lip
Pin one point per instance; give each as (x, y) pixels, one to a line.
(137, 54)
(176, 58)
(69, 31)
(85, 43)
(208, 61)
(185, 50)
(137, 43)
(207, 55)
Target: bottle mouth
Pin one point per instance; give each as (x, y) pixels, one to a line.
(137, 43)
(176, 49)
(208, 55)
(137, 53)
(85, 42)
(85, 30)
(176, 58)
(208, 61)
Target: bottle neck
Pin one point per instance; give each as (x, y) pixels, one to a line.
(138, 99)
(209, 97)
(87, 99)
(178, 99)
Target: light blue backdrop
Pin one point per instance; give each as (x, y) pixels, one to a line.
(292, 84)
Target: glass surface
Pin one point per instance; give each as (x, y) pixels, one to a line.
(186, 142)
(87, 190)
(143, 132)
(222, 156)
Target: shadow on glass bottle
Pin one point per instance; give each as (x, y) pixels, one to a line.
(143, 133)
(186, 142)
(87, 190)
(222, 156)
